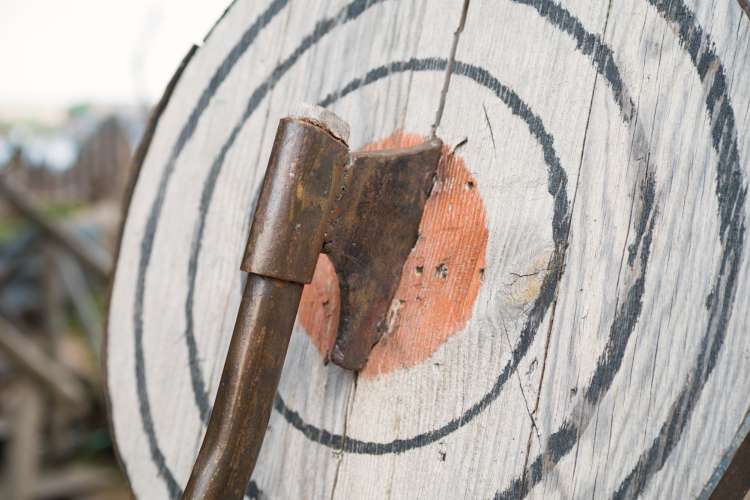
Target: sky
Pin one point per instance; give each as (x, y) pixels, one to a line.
(59, 53)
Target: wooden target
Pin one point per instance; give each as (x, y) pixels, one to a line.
(573, 322)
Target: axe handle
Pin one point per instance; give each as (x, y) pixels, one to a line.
(302, 178)
(247, 390)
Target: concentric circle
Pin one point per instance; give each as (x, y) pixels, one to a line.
(730, 193)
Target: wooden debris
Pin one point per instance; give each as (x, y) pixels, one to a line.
(35, 363)
(88, 252)
(24, 455)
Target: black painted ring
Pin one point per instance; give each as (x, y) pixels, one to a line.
(351, 11)
(556, 185)
(738, 247)
(731, 194)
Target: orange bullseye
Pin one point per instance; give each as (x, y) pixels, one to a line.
(440, 280)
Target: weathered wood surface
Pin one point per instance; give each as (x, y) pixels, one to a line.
(605, 353)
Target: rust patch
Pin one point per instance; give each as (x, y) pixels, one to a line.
(440, 280)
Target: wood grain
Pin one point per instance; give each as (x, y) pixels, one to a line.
(606, 353)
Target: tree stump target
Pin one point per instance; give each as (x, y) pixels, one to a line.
(600, 151)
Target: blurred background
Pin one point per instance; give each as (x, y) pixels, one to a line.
(77, 82)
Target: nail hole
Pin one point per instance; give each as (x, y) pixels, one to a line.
(441, 271)
(469, 185)
(419, 270)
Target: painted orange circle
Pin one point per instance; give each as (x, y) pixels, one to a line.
(439, 283)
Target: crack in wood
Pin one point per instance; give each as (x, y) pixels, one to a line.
(449, 68)
(489, 126)
(559, 267)
(523, 393)
(340, 452)
(438, 117)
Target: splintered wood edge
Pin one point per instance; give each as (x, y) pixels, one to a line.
(333, 123)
